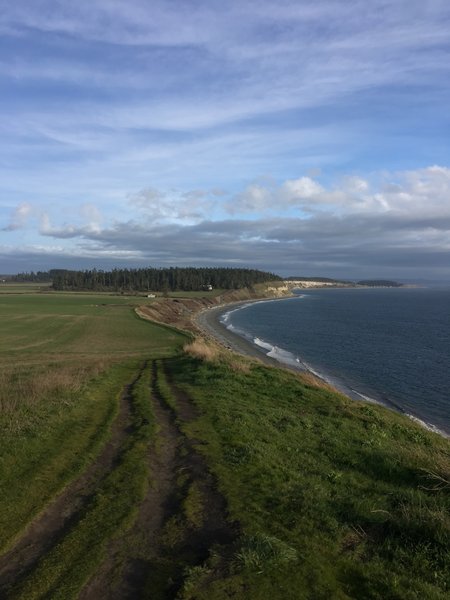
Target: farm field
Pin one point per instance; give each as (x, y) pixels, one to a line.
(131, 469)
(72, 326)
(22, 288)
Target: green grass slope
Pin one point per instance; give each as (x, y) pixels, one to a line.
(336, 498)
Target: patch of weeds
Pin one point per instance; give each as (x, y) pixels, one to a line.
(193, 506)
(283, 423)
(194, 577)
(237, 454)
(174, 532)
(261, 552)
(412, 433)
(163, 388)
(334, 476)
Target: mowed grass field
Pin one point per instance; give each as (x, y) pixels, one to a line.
(22, 288)
(64, 361)
(76, 325)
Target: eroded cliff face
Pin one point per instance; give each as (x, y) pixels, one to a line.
(179, 312)
(305, 284)
(279, 291)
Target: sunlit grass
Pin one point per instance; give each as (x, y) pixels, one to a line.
(353, 494)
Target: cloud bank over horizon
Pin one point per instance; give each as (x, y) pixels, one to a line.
(396, 224)
(301, 137)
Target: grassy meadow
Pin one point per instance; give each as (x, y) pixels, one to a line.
(200, 475)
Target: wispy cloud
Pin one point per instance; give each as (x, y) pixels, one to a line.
(19, 217)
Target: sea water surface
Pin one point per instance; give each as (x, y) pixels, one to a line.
(389, 345)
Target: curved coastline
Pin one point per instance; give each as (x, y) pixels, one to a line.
(209, 321)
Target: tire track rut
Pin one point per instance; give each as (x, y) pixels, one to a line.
(137, 559)
(123, 576)
(61, 514)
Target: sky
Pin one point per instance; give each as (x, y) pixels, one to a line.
(305, 138)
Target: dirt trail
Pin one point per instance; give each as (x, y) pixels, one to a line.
(136, 558)
(52, 524)
(152, 513)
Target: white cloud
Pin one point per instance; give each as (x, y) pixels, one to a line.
(19, 217)
(301, 189)
(92, 215)
(190, 206)
(422, 193)
(307, 64)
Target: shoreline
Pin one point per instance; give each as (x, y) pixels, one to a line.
(208, 321)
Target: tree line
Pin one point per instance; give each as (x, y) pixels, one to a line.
(159, 280)
(379, 283)
(31, 277)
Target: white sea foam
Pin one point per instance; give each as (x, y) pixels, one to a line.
(225, 317)
(239, 332)
(279, 354)
(263, 344)
(366, 398)
(428, 426)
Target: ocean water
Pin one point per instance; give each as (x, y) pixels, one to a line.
(384, 345)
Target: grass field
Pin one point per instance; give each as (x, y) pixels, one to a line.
(74, 325)
(22, 288)
(64, 360)
(132, 470)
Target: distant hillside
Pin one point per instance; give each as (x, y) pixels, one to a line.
(379, 283)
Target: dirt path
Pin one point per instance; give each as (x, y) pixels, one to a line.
(166, 536)
(52, 524)
(139, 560)
(122, 576)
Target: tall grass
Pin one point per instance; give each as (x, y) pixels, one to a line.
(28, 385)
(201, 349)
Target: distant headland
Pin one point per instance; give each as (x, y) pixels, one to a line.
(308, 282)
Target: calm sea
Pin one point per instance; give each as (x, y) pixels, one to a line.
(388, 345)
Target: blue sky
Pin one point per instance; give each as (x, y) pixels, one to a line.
(302, 137)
